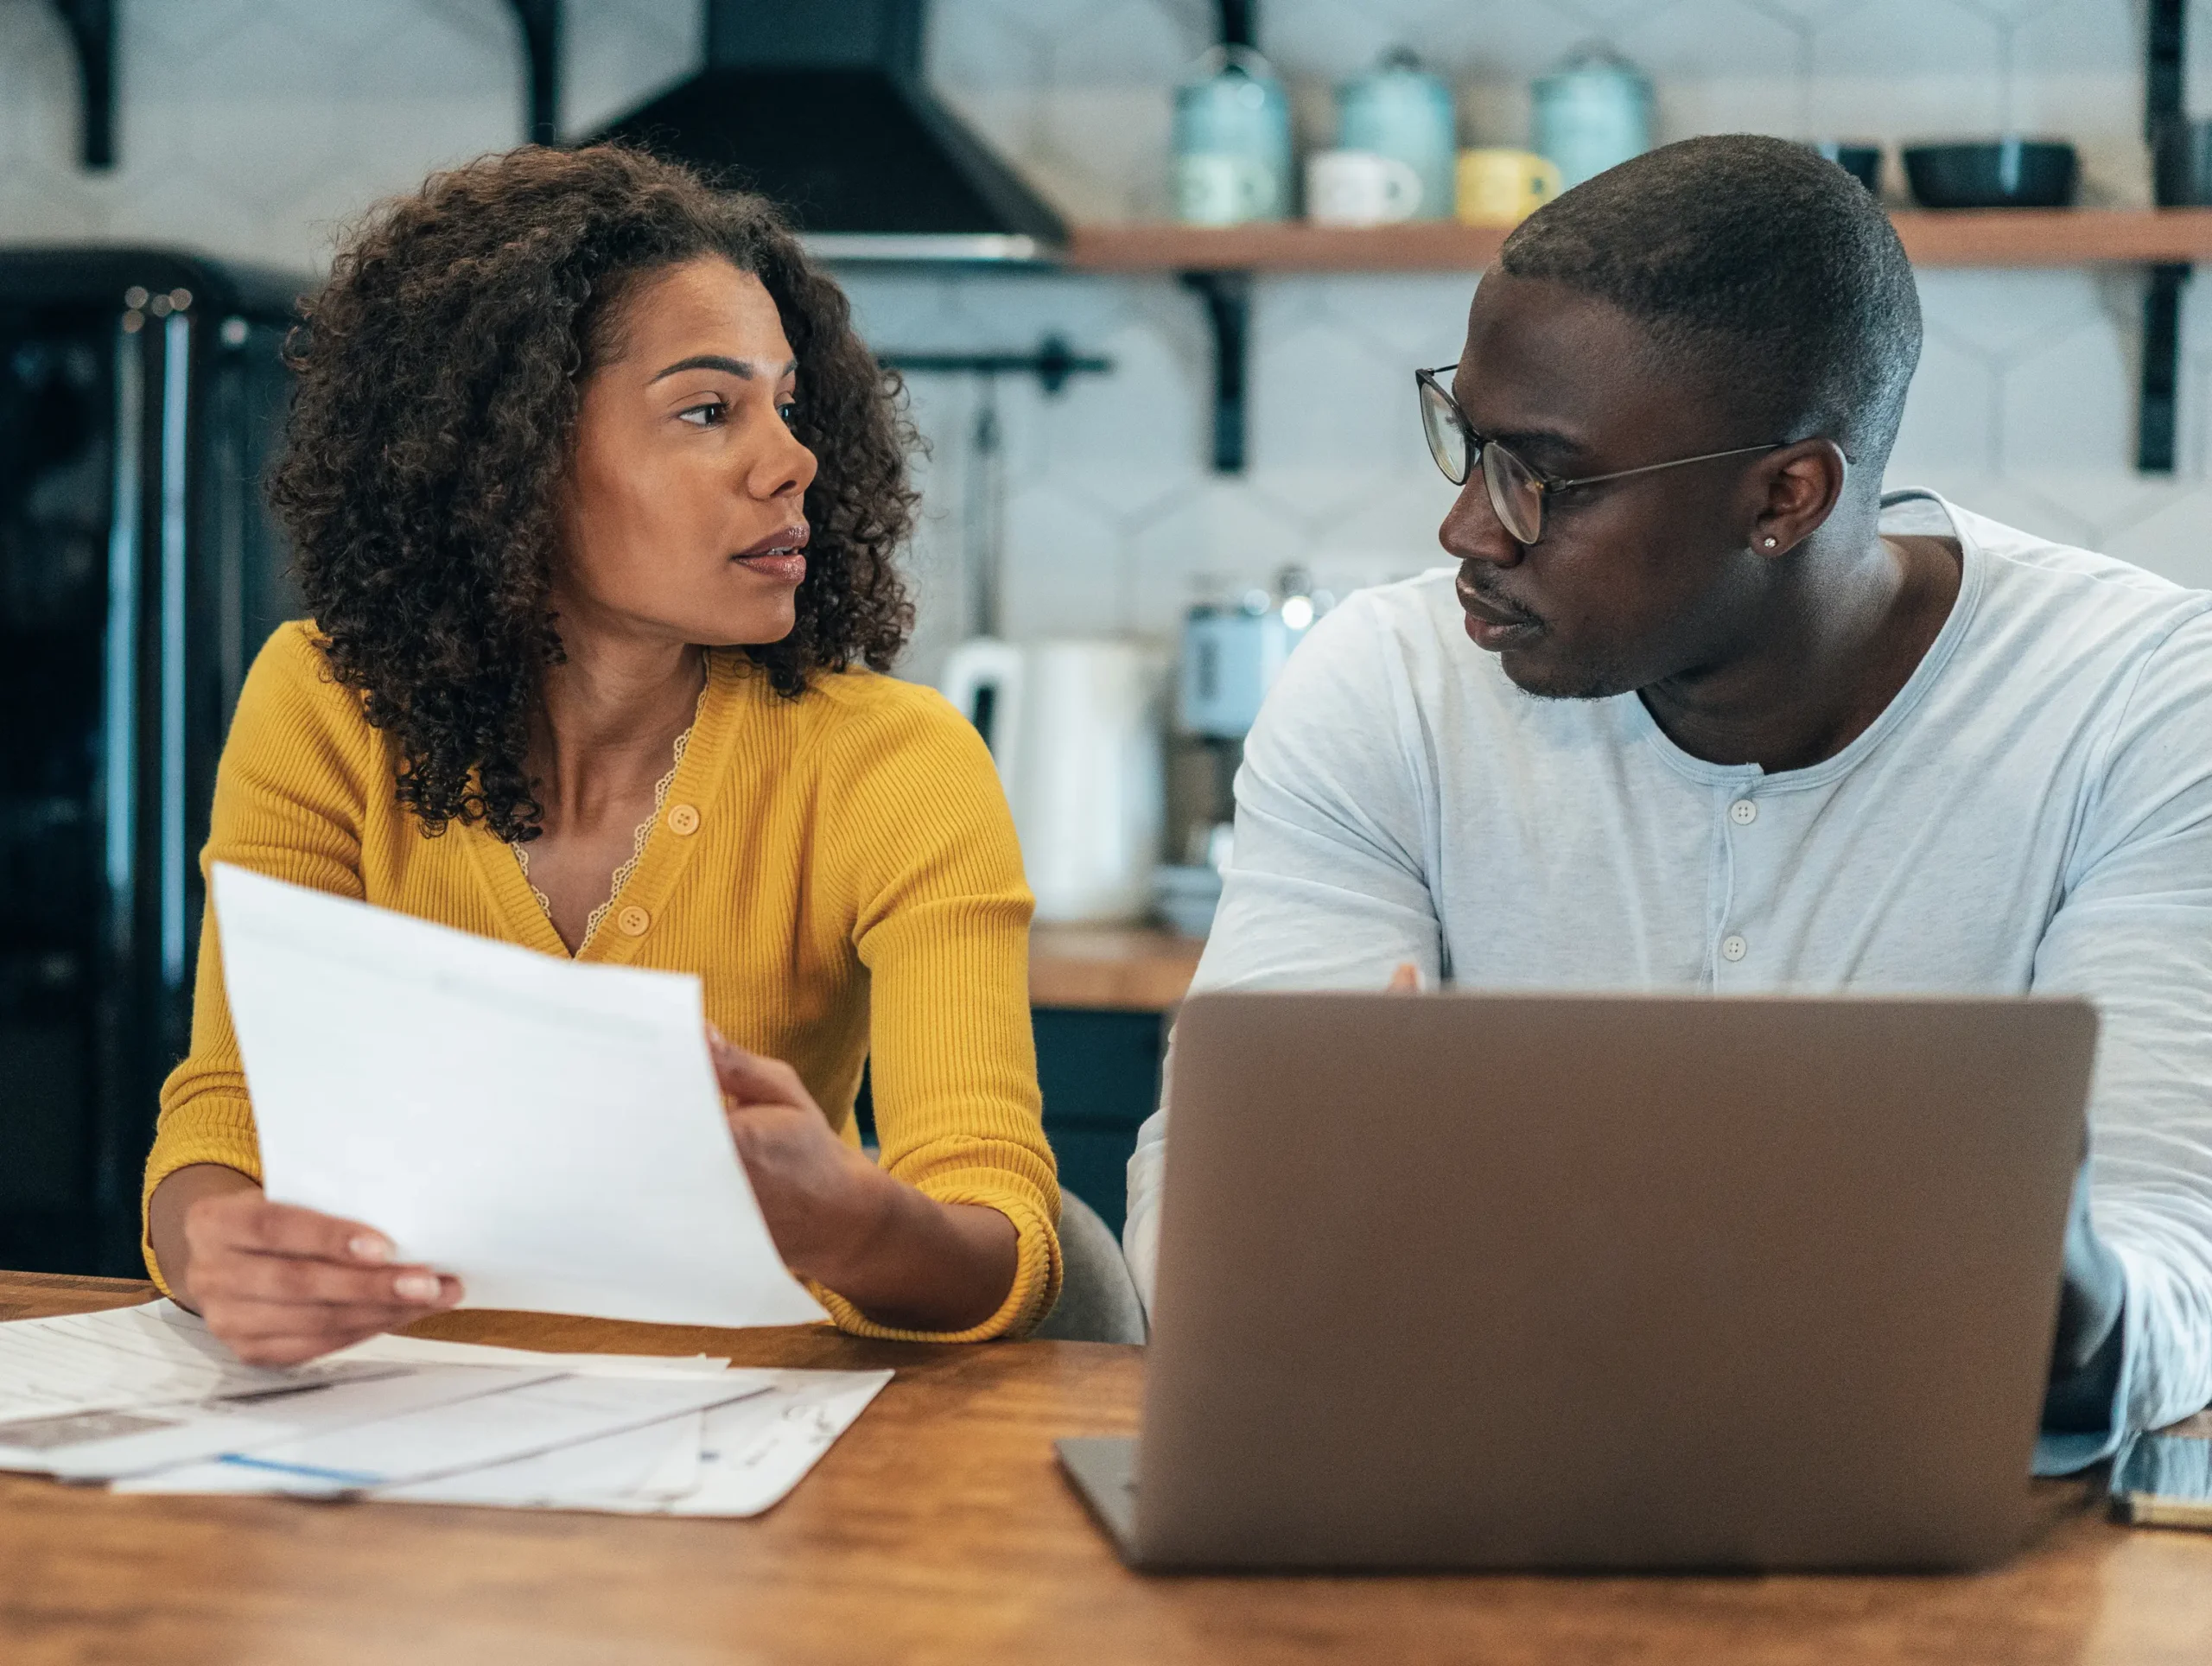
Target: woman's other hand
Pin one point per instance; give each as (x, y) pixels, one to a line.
(905, 1259)
(278, 1284)
(822, 1199)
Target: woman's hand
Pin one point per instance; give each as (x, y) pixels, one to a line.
(822, 1199)
(906, 1260)
(278, 1284)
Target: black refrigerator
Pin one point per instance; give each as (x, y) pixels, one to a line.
(141, 393)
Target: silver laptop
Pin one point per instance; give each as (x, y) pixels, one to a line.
(1460, 1281)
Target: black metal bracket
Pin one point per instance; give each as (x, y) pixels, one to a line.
(541, 44)
(91, 24)
(2162, 83)
(1052, 364)
(1227, 297)
(2164, 112)
(2156, 417)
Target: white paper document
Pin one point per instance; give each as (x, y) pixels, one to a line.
(737, 1459)
(146, 1399)
(92, 1396)
(548, 1132)
(519, 1422)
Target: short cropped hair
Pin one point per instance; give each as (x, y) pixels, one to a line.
(1760, 267)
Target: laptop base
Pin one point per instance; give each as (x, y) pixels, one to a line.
(1102, 1469)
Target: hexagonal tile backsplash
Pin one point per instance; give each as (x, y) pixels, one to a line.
(254, 127)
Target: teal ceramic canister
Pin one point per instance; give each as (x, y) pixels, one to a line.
(1594, 113)
(1402, 111)
(1232, 140)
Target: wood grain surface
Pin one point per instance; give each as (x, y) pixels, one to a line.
(938, 1530)
(1953, 237)
(1126, 969)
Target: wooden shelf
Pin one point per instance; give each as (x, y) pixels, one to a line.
(1110, 967)
(1996, 237)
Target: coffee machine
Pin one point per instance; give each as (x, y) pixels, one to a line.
(1233, 650)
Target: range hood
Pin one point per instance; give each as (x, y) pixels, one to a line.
(821, 106)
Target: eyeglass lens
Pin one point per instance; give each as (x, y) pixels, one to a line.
(1446, 435)
(1515, 494)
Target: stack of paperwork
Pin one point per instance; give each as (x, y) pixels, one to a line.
(144, 1399)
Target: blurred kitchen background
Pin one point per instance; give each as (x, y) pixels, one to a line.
(1080, 483)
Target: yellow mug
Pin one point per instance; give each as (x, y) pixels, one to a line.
(1504, 187)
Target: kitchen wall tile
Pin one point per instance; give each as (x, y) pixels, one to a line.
(2006, 313)
(1412, 319)
(1213, 544)
(1328, 412)
(1952, 414)
(1733, 42)
(1896, 69)
(2171, 539)
(1138, 43)
(171, 33)
(916, 312)
(615, 52)
(408, 50)
(1144, 418)
(1065, 572)
(1331, 41)
(2068, 406)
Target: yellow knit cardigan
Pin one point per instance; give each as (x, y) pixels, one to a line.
(840, 870)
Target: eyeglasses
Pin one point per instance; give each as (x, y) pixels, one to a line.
(1516, 491)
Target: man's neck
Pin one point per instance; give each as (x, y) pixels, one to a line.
(1832, 650)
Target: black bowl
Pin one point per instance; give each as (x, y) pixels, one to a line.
(2005, 173)
(1862, 162)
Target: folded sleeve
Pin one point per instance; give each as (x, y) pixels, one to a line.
(941, 921)
(2134, 932)
(288, 799)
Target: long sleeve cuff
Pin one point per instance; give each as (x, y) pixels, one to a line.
(2085, 1412)
(1036, 1276)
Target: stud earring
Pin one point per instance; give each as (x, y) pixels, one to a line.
(1769, 543)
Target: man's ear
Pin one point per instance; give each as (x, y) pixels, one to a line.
(1802, 482)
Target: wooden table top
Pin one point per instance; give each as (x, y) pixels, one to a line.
(938, 1530)
(1110, 967)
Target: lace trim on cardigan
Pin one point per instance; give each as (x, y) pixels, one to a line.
(643, 832)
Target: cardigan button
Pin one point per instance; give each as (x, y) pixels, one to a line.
(634, 921)
(683, 820)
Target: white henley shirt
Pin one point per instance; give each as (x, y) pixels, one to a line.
(2033, 812)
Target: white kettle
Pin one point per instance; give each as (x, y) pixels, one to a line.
(1074, 727)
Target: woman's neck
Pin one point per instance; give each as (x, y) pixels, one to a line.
(608, 720)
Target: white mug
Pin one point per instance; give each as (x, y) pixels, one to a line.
(1359, 188)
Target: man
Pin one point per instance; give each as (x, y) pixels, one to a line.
(1702, 709)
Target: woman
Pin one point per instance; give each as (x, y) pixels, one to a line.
(568, 426)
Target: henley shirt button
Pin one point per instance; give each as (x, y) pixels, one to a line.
(1731, 946)
(1742, 812)
(683, 820)
(634, 919)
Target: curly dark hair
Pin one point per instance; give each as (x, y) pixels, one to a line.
(432, 415)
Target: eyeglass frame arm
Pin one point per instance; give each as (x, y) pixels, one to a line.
(1546, 483)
